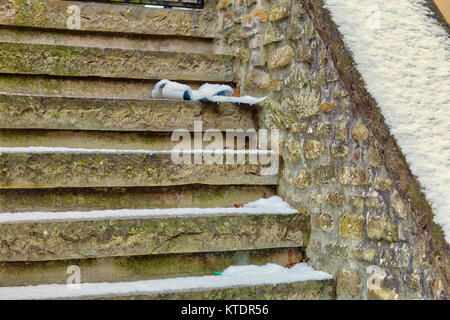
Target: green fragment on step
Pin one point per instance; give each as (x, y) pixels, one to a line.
(218, 273)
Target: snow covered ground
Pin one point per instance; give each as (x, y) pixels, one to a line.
(272, 205)
(235, 276)
(404, 58)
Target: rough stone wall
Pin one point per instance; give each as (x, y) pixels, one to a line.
(371, 226)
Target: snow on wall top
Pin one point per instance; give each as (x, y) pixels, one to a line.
(404, 57)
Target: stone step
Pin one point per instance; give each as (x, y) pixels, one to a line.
(86, 199)
(244, 282)
(87, 139)
(107, 18)
(304, 290)
(157, 141)
(70, 61)
(137, 268)
(79, 87)
(72, 113)
(42, 236)
(86, 168)
(107, 40)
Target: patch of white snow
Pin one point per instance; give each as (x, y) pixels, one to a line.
(235, 276)
(404, 57)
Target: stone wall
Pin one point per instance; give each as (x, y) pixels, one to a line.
(371, 226)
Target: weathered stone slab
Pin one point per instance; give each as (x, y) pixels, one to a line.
(85, 199)
(60, 240)
(19, 58)
(106, 40)
(93, 87)
(76, 170)
(77, 87)
(111, 18)
(120, 140)
(305, 290)
(41, 112)
(136, 268)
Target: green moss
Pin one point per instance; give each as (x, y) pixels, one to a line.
(204, 197)
(115, 63)
(100, 238)
(281, 10)
(345, 63)
(31, 12)
(352, 226)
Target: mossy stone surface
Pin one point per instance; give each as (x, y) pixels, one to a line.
(83, 199)
(57, 60)
(61, 170)
(104, 17)
(62, 240)
(43, 112)
(137, 268)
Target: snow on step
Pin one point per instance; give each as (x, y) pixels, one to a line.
(235, 276)
(52, 237)
(272, 205)
(404, 62)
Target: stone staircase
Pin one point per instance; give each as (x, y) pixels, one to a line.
(80, 91)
